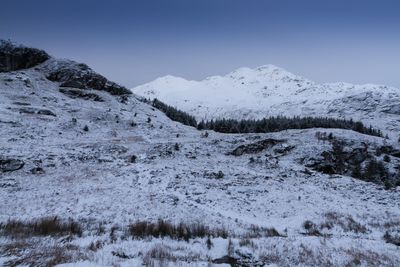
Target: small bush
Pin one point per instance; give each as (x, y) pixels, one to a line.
(231, 248)
(392, 239)
(94, 246)
(311, 228)
(86, 128)
(246, 242)
(347, 223)
(209, 243)
(271, 232)
(257, 232)
(159, 253)
(132, 159)
(386, 158)
(176, 147)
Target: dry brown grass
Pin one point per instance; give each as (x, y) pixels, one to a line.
(38, 254)
(40, 227)
(181, 231)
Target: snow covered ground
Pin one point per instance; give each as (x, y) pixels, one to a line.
(270, 91)
(132, 163)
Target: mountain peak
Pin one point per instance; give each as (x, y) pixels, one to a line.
(267, 72)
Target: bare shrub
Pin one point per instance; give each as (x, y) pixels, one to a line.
(347, 223)
(256, 231)
(209, 243)
(231, 248)
(47, 256)
(368, 258)
(94, 246)
(392, 238)
(311, 228)
(160, 254)
(272, 232)
(247, 242)
(181, 231)
(41, 227)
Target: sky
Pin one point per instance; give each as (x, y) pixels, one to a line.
(133, 42)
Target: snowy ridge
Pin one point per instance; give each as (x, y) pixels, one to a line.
(269, 90)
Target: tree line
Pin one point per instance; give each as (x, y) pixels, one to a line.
(280, 123)
(266, 125)
(175, 114)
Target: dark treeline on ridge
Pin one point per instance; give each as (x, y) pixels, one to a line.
(175, 114)
(266, 125)
(280, 123)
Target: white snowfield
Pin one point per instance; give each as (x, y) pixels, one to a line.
(270, 91)
(89, 176)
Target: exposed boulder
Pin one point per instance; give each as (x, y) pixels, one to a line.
(255, 147)
(15, 57)
(9, 165)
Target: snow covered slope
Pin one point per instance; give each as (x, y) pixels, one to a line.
(269, 90)
(105, 160)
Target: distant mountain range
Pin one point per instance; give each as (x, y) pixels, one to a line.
(269, 90)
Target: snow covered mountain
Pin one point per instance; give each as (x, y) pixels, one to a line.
(87, 170)
(269, 90)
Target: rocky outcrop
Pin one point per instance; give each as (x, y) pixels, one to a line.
(80, 76)
(76, 93)
(255, 147)
(68, 73)
(13, 57)
(9, 165)
(30, 110)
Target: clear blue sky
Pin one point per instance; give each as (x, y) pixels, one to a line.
(133, 42)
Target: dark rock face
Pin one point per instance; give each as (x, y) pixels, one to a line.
(76, 93)
(46, 112)
(37, 170)
(255, 147)
(392, 109)
(9, 165)
(226, 260)
(30, 110)
(13, 57)
(343, 163)
(82, 77)
(284, 150)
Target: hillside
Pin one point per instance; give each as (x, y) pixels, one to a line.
(91, 176)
